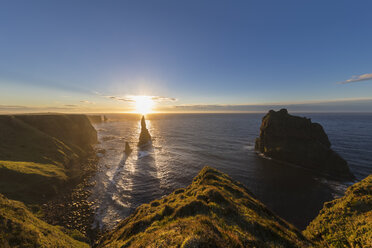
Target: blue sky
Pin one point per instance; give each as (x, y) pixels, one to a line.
(87, 55)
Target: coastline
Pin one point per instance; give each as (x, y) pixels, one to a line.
(72, 209)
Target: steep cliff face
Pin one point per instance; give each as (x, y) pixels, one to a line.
(297, 140)
(20, 228)
(75, 131)
(95, 118)
(38, 153)
(347, 221)
(214, 211)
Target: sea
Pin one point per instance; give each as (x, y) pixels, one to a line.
(184, 143)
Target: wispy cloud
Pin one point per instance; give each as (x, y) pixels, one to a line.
(87, 102)
(132, 98)
(358, 78)
(339, 105)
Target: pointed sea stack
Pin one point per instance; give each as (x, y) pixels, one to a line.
(298, 141)
(127, 149)
(145, 137)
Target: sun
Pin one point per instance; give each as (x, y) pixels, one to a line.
(144, 104)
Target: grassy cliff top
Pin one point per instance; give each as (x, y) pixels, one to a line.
(347, 221)
(55, 139)
(20, 228)
(214, 211)
(30, 182)
(23, 142)
(38, 153)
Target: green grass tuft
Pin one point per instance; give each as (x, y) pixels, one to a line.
(20, 228)
(347, 221)
(30, 182)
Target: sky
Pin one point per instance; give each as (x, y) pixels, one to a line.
(188, 56)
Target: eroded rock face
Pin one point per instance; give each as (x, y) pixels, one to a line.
(145, 137)
(297, 140)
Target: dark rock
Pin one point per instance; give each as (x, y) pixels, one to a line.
(127, 149)
(297, 140)
(145, 137)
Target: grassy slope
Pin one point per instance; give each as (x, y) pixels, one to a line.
(23, 142)
(20, 228)
(38, 151)
(347, 221)
(30, 182)
(214, 211)
(75, 130)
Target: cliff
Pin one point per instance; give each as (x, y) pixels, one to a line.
(347, 221)
(214, 211)
(298, 141)
(75, 131)
(20, 228)
(39, 153)
(95, 119)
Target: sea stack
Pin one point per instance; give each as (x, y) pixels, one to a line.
(145, 137)
(127, 149)
(297, 140)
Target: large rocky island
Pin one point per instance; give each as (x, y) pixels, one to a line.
(299, 141)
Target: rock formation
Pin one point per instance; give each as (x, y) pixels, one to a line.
(145, 137)
(298, 141)
(127, 149)
(214, 211)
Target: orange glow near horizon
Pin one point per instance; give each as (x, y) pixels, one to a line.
(144, 104)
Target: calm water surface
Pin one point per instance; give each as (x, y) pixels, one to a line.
(184, 143)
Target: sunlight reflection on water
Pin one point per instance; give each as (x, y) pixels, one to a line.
(183, 144)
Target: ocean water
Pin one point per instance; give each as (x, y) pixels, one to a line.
(184, 143)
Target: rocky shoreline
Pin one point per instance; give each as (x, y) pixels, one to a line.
(72, 209)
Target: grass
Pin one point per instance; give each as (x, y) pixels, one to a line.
(30, 182)
(347, 221)
(20, 228)
(39, 153)
(214, 211)
(23, 142)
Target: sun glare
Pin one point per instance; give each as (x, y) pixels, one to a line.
(144, 104)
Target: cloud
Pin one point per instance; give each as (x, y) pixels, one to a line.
(340, 105)
(363, 77)
(163, 99)
(71, 105)
(131, 98)
(87, 102)
(9, 109)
